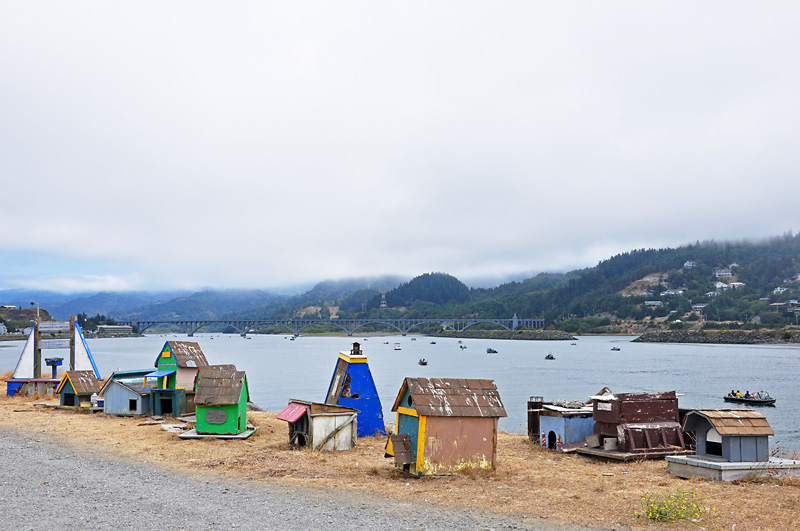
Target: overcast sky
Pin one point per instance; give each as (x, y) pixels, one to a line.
(162, 145)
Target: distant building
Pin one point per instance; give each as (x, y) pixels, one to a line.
(779, 290)
(671, 292)
(114, 329)
(653, 303)
(383, 300)
(3, 329)
(723, 273)
(720, 285)
(688, 264)
(736, 285)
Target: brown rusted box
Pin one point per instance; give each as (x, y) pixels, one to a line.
(637, 407)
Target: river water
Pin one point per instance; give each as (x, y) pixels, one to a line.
(279, 369)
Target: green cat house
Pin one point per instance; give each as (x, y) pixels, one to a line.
(221, 396)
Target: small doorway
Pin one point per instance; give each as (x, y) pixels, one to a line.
(713, 442)
(551, 440)
(166, 406)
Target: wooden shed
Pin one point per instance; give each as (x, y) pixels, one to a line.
(352, 386)
(176, 369)
(124, 393)
(77, 387)
(221, 396)
(445, 425)
(731, 444)
(735, 435)
(321, 426)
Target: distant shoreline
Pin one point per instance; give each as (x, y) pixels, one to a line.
(725, 337)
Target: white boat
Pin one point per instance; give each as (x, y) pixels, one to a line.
(397, 346)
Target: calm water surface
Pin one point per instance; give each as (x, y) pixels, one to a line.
(279, 369)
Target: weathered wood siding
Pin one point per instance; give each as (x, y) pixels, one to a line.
(455, 443)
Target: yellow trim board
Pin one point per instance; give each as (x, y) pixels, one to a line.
(348, 359)
(406, 411)
(422, 428)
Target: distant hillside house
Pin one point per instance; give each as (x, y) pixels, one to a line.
(711, 294)
(736, 285)
(698, 306)
(723, 273)
(688, 264)
(671, 293)
(779, 290)
(720, 285)
(653, 303)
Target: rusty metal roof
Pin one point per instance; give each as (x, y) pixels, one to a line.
(83, 382)
(736, 421)
(219, 385)
(453, 397)
(187, 354)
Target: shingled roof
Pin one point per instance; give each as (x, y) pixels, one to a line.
(735, 421)
(219, 385)
(453, 397)
(83, 382)
(187, 354)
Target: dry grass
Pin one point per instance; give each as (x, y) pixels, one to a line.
(528, 481)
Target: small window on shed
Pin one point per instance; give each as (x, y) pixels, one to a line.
(132, 403)
(410, 401)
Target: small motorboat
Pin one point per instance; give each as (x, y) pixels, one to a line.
(573, 344)
(491, 351)
(550, 356)
(614, 348)
(762, 400)
(433, 342)
(413, 339)
(462, 347)
(397, 346)
(423, 361)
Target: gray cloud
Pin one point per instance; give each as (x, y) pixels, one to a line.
(194, 144)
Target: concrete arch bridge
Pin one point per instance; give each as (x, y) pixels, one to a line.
(296, 326)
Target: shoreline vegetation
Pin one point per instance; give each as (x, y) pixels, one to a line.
(541, 486)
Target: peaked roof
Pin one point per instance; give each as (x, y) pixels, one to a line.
(83, 382)
(219, 385)
(733, 421)
(187, 354)
(452, 397)
(130, 386)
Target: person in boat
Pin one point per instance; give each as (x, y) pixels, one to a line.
(732, 393)
(738, 393)
(747, 394)
(756, 395)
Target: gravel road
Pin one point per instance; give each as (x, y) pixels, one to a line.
(48, 486)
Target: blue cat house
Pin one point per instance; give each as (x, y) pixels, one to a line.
(352, 386)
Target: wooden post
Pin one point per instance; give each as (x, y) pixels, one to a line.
(72, 343)
(37, 351)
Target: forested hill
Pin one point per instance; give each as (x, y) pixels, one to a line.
(731, 281)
